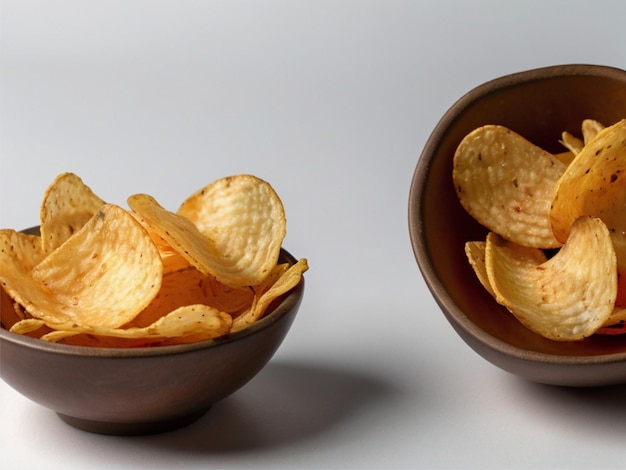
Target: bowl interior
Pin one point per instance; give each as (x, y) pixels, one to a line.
(540, 105)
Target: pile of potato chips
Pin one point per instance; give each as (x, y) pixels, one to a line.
(101, 275)
(556, 246)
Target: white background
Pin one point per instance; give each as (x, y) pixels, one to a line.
(331, 102)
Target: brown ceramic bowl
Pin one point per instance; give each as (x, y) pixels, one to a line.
(143, 390)
(538, 104)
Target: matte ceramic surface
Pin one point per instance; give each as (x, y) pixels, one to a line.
(538, 104)
(143, 390)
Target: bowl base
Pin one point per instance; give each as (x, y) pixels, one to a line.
(132, 429)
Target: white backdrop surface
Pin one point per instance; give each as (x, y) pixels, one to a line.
(331, 102)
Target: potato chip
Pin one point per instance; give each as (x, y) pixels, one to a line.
(572, 143)
(286, 281)
(590, 129)
(184, 237)
(615, 324)
(567, 297)
(68, 204)
(102, 276)
(245, 220)
(475, 252)
(27, 325)
(198, 321)
(595, 184)
(19, 254)
(506, 183)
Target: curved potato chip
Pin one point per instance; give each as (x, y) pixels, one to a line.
(197, 321)
(281, 281)
(67, 205)
(27, 325)
(573, 144)
(184, 237)
(475, 252)
(102, 276)
(615, 324)
(567, 297)
(595, 184)
(506, 183)
(23, 249)
(590, 129)
(245, 220)
(19, 254)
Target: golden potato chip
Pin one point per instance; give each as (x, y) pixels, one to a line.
(183, 236)
(245, 220)
(573, 144)
(506, 183)
(567, 297)
(23, 249)
(67, 205)
(102, 276)
(590, 129)
(615, 324)
(19, 254)
(232, 300)
(197, 321)
(595, 184)
(475, 252)
(270, 291)
(27, 325)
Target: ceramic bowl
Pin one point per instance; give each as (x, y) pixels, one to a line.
(143, 390)
(538, 104)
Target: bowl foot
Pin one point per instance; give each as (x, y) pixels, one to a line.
(132, 429)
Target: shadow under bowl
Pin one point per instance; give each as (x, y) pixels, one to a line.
(538, 104)
(131, 391)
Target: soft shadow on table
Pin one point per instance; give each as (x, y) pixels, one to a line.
(602, 409)
(286, 402)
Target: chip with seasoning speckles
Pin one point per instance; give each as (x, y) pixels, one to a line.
(566, 297)
(506, 183)
(68, 204)
(103, 275)
(595, 184)
(244, 220)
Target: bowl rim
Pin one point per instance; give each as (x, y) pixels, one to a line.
(288, 303)
(415, 208)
